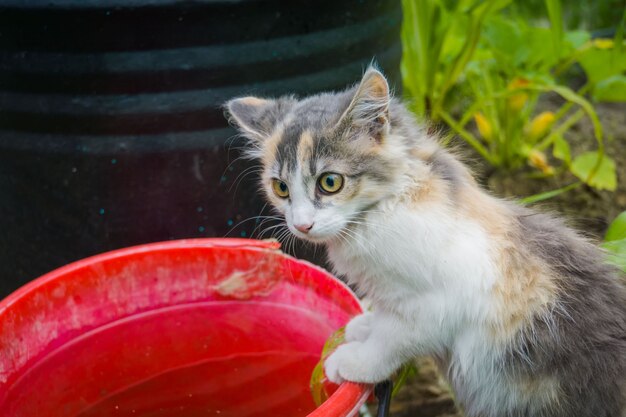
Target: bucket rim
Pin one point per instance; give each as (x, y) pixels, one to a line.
(344, 402)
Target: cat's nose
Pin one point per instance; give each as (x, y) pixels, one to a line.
(304, 228)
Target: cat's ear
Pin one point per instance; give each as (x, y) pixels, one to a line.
(253, 116)
(369, 108)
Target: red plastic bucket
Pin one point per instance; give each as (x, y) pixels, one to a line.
(206, 327)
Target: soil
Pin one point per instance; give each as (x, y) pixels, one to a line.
(588, 210)
(426, 395)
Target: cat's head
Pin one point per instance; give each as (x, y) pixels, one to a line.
(327, 158)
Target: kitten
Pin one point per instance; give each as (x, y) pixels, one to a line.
(521, 313)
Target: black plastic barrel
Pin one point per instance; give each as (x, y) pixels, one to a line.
(111, 130)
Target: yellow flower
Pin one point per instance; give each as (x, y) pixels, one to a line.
(538, 160)
(540, 125)
(518, 82)
(484, 127)
(603, 43)
(516, 101)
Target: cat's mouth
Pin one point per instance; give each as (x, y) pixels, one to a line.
(314, 236)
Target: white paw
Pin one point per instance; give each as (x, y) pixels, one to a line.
(359, 328)
(353, 362)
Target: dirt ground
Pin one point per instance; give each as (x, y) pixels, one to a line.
(426, 395)
(589, 210)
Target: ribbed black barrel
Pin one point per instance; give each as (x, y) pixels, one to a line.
(111, 131)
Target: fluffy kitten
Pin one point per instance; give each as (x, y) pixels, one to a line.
(522, 314)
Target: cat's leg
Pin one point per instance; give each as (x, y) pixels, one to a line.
(360, 327)
(391, 342)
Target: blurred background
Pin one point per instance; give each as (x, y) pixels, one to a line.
(111, 127)
(112, 132)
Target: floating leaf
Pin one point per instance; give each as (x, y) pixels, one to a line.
(317, 385)
(561, 150)
(617, 229)
(318, 378)
(603, 179)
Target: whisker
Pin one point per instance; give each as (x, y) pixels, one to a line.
(255, 169)
(265, 220)
(242, 222)
(231, 164)
(268, 229)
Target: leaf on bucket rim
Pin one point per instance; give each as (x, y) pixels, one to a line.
(318, 378)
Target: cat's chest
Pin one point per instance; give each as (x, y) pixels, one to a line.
(382, 260)
(411, 250)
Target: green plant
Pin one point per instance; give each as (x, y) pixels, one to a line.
(504, 75)
(593, 15)
(506, 82)
(318, 379)
(604, 63)
(615, 241)
(439, 39)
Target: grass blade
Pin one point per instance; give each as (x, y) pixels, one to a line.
(555, 15)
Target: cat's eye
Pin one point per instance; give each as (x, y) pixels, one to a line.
(280, 188)
(330, 183)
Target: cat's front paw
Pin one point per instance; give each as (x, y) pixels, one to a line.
(353, 362)
(359, 328)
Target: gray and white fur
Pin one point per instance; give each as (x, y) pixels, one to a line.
(521, 312)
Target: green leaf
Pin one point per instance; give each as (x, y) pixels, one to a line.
(561, 150)
(542, 56)
(556, 23)
(316, 383)
(611, 89)
(617, 253)
(600, 64)
(577, 38)
(535, 198)
(452, 45)
(407, 371)
(617, 228)
(318, 378)
(571, 96)
(603, 179)
(506, 41)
